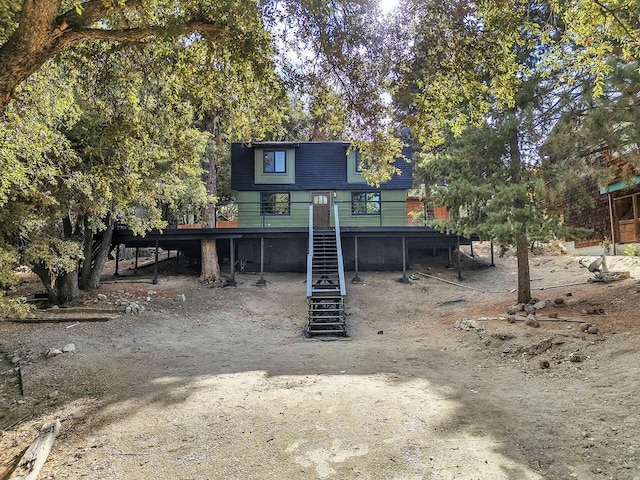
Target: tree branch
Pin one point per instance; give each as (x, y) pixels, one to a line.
(73, 36)
(615, 17)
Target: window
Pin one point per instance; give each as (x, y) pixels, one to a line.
(274, 161)
(360, 164)
(275, 204)
(365, 203)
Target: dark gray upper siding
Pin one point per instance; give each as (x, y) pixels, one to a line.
(319, 165)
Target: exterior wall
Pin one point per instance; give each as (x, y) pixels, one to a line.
(594, 217)
(393, 208)
(290, 254)
(249, 211)
(263, 178)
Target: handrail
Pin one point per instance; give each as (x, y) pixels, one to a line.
(343, 288)
(310, 254)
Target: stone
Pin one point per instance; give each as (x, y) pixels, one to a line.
(52, 352)
(468, 324)
(102, 296)
(181, 298)
(128, 310)
(529, 309)
(553, 315)
(69, 348)
(15, 360)
(593, 330)
(540, 305)
(513, 310)
(584, 326)
(577, 357)
(544, 364)
(532, 322)
(511, 319)
(559, 301)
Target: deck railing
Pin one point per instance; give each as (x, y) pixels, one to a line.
(343, 288)
(296, 214)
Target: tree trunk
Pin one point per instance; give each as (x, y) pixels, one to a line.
(91, 275)
(522, 244)
(66, 288)
(210, 265)
(524, 277)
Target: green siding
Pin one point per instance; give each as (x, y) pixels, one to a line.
(352, 175)
(275, 178)
(393, 210)
(249, 211)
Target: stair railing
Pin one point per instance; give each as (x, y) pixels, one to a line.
(310, 254)
(343, 287)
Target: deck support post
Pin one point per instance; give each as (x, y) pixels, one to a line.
(450, 257)
(471, 246)
(404, 278)
(357, 278)
(178, 259)
(232, 261)
(155, 266)
(261, 281)
(458, 261)
(135, 265)
(117, 274)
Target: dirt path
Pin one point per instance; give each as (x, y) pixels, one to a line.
(225, 386)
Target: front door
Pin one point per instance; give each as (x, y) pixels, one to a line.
(320, 209)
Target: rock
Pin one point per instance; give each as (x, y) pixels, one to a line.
(513, 310)
(584, 326)
(553, 315)
(577, 357)
(558, 301)
(532, 322)
(544, 364)
(468, 324)
(181, 298)
(529, 309)
(128, 310)
(102, 296)
(69, 348)
(52, 352)
(593, 330)
(511, 319)
(53, 394)
(540, 305)
(15, 360)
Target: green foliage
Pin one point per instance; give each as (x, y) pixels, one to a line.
(631, 250)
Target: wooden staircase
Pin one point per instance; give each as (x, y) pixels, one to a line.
(325, 282)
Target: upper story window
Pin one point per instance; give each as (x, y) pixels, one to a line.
(360, 163)
(365, 203)
(274, 161)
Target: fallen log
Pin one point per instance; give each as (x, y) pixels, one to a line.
(61, 319)
(36, 455)
(455, 283)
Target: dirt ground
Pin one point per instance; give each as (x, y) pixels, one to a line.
(225, 386)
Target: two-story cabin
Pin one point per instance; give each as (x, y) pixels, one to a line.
(281, 185)
(276, 181)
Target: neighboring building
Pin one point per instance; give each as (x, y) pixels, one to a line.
(276, 181)
(615, 209)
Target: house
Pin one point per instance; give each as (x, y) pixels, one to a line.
(281, 185)
(614, 212)
(276, 181)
